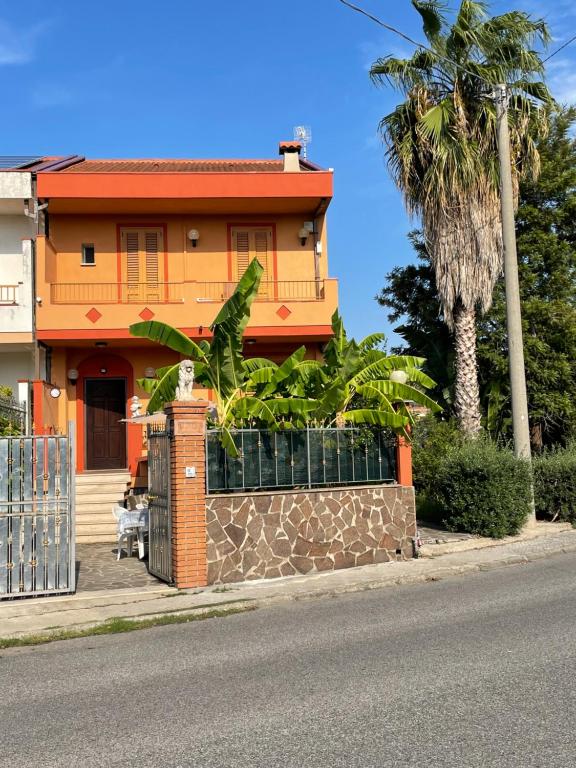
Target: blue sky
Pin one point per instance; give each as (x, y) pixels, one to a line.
(189, 78)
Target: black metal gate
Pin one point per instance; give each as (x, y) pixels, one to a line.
(160, 518)
(37, 554)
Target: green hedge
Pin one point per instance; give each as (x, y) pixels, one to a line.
(483, 489)
(555, 485)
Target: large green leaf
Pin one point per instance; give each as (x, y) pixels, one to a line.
(165, 334)
(165, 388)
(375, 418)
(284, 371)
(392, 391)
(226, 348)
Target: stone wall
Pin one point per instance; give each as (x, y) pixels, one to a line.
(271, 534)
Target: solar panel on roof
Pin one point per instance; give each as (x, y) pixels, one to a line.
(18, 162)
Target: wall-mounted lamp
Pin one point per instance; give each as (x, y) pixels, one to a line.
(303, 235)
(101, 344)
(150, 373)
(72, 375)
(250, 341)
(103, 371)
(193, 236)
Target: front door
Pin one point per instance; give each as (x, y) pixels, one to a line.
(105, 401)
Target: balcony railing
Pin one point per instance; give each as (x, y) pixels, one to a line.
(9, 294)
(178, 293)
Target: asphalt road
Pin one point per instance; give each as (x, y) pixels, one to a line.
(472, 671)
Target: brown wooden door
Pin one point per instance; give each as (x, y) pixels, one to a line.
(105, 401)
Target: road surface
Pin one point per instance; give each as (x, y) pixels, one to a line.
(472, 671)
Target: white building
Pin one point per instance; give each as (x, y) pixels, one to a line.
(17, 234)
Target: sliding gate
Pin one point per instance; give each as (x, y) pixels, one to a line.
(37, 555)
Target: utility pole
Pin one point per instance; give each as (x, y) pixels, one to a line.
(513, 314)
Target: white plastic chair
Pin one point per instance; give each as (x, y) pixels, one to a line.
(125, 532)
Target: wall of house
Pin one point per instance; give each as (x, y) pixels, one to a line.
(208, 261)
(266, 535)
(16, 232)
(14, 365)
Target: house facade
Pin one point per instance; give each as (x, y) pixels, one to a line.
(129, 240)
(17, 234)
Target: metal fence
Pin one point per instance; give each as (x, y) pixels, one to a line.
(308, 458)
(159, 508)
(12, 416)
(36, 515)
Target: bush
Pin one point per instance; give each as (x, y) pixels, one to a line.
(431, 441)
(555, 484)
(482, 489)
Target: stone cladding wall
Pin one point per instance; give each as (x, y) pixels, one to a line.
(271, 534)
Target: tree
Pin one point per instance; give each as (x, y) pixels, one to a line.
(546, 232)
(410, 295)
(352, 385)
(442, 153)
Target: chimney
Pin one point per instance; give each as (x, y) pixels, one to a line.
(291, 151)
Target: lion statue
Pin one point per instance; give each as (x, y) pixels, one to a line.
(185, 381)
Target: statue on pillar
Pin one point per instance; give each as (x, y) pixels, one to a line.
(185, 381)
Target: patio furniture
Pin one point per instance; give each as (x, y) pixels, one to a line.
(132, 525)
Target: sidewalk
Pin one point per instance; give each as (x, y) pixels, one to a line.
(23, 617)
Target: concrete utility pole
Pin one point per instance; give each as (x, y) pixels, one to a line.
(513, 314)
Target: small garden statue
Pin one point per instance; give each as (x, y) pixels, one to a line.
(185, 381)
(135, 407)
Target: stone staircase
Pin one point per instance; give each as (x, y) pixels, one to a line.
(96, 494)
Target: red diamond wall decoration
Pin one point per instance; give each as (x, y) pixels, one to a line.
(93, 315)
(146, 314)
(283, 312)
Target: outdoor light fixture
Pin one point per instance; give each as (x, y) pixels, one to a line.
(101, 344)
(193, 236)
(303, 235)
(399, 377)
(73, 375)
(150, 373)
(103, 370)
(55, 392)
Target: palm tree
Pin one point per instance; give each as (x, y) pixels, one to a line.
(441, 150)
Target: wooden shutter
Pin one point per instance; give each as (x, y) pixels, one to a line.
(242, 252)
(132, 265)
(262, 253)
(143, 270)
(249, 244)
(151, 265)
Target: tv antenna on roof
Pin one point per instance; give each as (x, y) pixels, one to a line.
(303, 134)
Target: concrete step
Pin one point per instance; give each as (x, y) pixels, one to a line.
(99, 478)
(96, 495)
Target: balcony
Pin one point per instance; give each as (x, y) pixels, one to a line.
(178, 293)
(298, 309)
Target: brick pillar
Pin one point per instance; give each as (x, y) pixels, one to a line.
(403, 461)
(186, 421)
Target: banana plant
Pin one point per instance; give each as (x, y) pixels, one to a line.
(220, 367)
(356, 385)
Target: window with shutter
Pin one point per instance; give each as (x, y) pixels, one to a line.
(142, 265)
(251, 243)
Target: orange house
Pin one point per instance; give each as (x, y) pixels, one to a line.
(127, 240)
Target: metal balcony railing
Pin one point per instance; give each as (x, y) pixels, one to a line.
(177, 293)
(9, 294)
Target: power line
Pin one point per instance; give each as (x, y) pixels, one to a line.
(413, 42)
(430, 50)
(564, 45)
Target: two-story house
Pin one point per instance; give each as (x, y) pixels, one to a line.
(131, 240)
